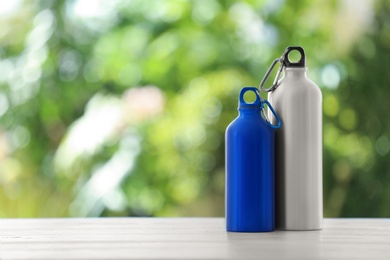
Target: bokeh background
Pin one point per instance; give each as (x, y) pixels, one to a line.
(118, 108)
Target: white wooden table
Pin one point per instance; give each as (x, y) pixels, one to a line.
(187, 238)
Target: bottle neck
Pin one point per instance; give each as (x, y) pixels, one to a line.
(295, 72)
(249, 111)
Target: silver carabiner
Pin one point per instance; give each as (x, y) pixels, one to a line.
(277, 78)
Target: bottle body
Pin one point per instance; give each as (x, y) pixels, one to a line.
(249, 158)
(298, 144)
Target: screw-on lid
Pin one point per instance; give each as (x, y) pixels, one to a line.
(258, 104)
(289, 64)
(255, 104)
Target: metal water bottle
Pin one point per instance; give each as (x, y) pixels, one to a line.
(250, 168)
(298, 145)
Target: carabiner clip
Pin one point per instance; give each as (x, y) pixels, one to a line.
(279, 122)
(277, 78)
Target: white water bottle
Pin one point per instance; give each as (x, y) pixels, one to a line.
(298, 147)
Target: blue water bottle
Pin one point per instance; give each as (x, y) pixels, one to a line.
(250, 167)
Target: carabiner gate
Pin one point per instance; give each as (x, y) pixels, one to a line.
(277, 77)
(279, 122)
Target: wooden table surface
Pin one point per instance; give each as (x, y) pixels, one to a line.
(187, 238)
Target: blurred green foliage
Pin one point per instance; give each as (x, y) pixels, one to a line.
(115, 108)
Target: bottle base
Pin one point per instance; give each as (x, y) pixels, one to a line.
(250, 230)
(298, 229)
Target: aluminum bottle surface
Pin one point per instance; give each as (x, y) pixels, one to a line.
(298, 144)
(249, 162)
